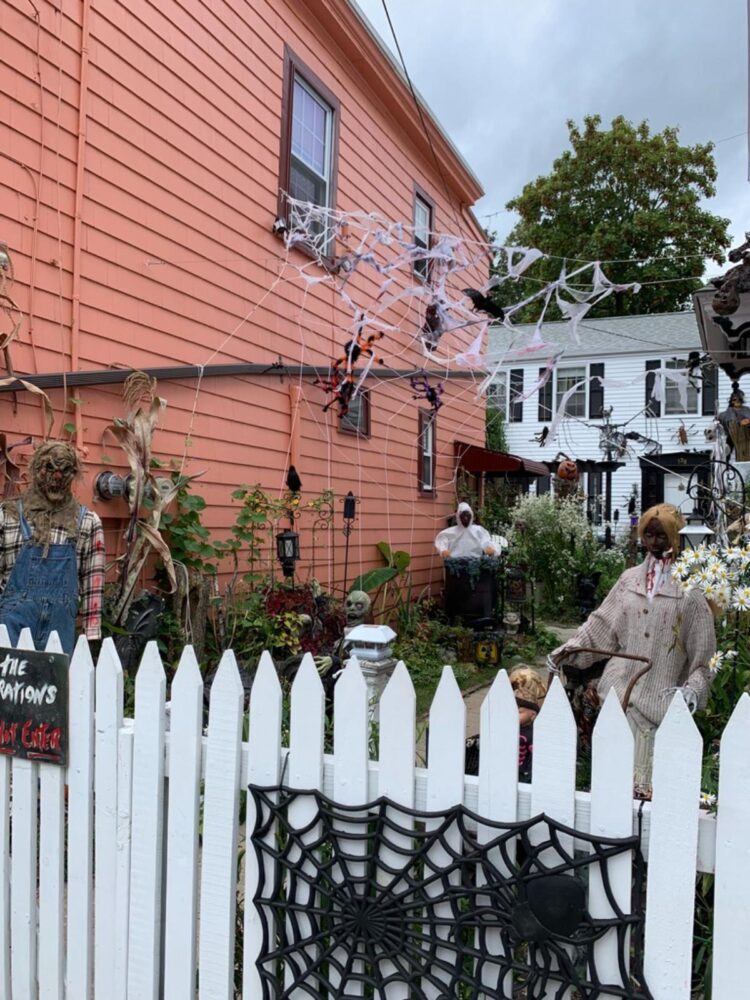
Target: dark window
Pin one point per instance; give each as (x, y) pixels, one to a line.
(653, 406)
(424, 225)
(426, 451)
(543, 485)
(596, 392)
(309, 139)
(673, 399)
(709, 390)
(357, 419)
(545, 398)
(569, 378)
(516, 391)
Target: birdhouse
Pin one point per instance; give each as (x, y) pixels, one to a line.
(370, 642)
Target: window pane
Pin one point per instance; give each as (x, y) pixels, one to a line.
(566, 379)
(427, 448)
(422, 227)
(310, 129)
(357, 419)
(672, 402)
(497, 394)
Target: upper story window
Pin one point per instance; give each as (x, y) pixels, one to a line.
(357, 419)
(672, 402)
(309, 138)
(423, 227)
(497, 395)
(566, 379)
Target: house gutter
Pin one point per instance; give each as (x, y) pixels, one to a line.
(75, 322)
(115, 376)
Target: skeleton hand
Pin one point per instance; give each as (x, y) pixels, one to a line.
(689, 694)
(323, 664)
(552, 666)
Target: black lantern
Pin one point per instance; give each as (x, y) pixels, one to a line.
(516, 591)
(287, 550)
(350, 514)
(695, 531)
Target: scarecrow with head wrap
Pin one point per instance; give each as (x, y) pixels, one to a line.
(465, 540)
(51, 554)
(647, 614)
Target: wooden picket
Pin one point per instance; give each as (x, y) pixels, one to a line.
(732, 886)
(93, 927)
(671, 856)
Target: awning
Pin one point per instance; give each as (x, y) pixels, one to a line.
(472, 458)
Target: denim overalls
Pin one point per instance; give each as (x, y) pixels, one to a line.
(42, 592)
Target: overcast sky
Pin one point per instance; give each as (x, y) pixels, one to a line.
(503, 76)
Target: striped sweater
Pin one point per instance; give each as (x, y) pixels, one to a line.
(674, 629)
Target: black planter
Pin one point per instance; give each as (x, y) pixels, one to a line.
(470, 597)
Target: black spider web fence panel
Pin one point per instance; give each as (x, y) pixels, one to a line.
(357, 902)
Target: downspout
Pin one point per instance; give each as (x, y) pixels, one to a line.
(75, 323)
(295, 394)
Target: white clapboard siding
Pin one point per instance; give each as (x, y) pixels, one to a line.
(264, 753)
(4, 859)
(398, 707)
(445, 789)
(23, 916)
(51, 871)
(181, 907)
(144, 932)
(218, 899)
(553, 776)
(80, 916)
(108, 719)
(498, 795)
(122, 872)
(611, 816)
(672, 852)
(732, 886)
(350, 771)
(305, 772)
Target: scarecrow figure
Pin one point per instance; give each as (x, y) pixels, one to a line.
(647, 614)
(51, 554)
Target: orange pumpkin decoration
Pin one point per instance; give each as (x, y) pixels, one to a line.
(567, 470)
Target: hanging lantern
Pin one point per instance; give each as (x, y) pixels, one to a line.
(567, 470)
(695, 531)
(287, 550)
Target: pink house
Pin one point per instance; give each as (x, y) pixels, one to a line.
(145, 152)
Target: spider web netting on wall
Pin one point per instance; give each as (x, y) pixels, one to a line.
(353, 900)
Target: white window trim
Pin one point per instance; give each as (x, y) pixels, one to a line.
(670, 388)
(329, 112)
(583, 390)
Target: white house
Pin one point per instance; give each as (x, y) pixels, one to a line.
(657, 444)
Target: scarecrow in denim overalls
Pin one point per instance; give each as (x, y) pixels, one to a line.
(51, 554)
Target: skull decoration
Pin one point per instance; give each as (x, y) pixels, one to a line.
(357, 608)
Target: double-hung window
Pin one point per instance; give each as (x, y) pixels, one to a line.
(357, 418)
(497, 395)
(673, 405)
(423, 227)
(309, 136)
(566, 379)
(426, 451)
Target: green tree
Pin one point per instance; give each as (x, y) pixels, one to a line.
(622, 195)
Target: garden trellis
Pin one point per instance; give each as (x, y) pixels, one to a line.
(134, 889)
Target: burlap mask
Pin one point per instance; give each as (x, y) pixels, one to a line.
(48, 503)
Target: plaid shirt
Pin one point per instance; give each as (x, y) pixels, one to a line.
(90, 556)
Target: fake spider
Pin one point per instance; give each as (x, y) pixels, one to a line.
(341, 387)
(355, 348)
(430, 393)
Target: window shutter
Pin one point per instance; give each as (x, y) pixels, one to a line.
(653, 408)
(516, 390)
(709, 390)
(596, 392)
(545, 398)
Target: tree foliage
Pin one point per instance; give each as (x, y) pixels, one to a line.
(622, 195)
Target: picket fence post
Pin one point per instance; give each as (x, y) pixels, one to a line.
(218, 890)
(181, 904)
(80, 925)
(732, 885)
(108, 720)
(264, 766)
(51, 871)
(672, 853)
(24, 829)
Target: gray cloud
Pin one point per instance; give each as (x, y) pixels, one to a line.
(502, 77)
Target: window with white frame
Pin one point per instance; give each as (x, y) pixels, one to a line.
(497, 395)
(566, 379)
(422, 234)
(426, 451)
(310, 164)
(673, 405)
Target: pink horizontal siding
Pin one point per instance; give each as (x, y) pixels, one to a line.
(178, 261)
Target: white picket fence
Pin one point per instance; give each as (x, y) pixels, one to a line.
(154, 815)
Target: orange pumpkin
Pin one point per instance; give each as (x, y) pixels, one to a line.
(567, 470)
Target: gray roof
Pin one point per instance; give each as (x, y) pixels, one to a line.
(655, 334)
